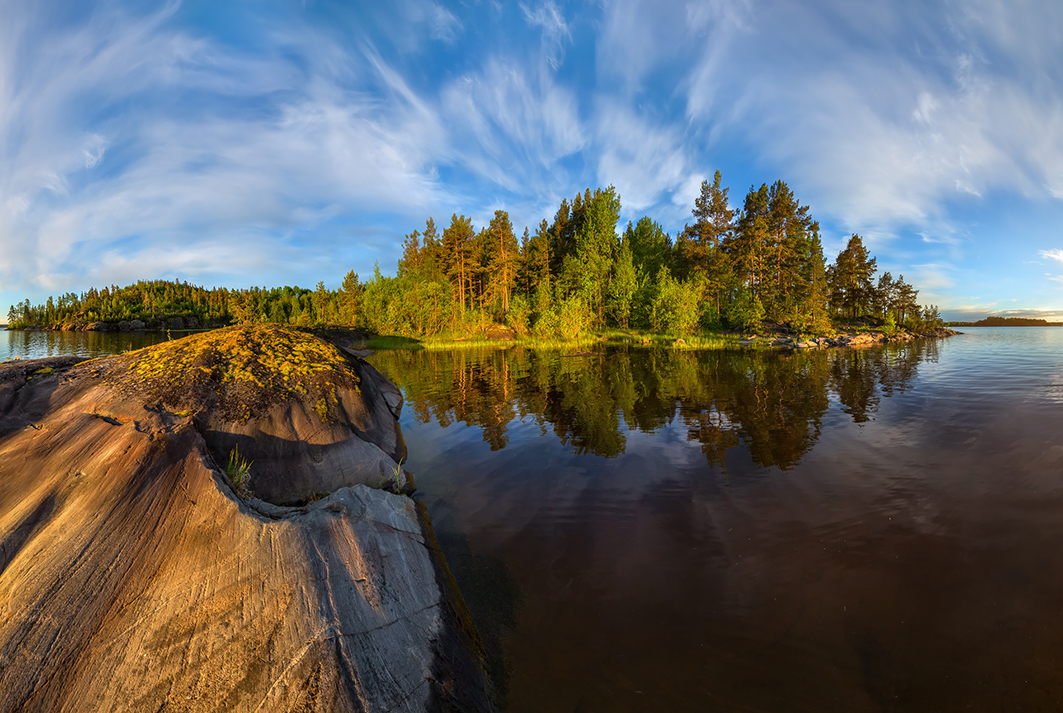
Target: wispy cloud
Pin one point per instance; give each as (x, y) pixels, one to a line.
(322, 134)
(547, 16)
(642, 159)
(175, 171)
(886, 133)
(1055, 254)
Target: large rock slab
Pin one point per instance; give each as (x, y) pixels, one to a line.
(133, 578)
(310, 416)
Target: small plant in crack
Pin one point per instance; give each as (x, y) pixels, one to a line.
(238, 471)
(397, 470)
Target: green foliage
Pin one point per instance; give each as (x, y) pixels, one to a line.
(730, 268)
(566, 319)
(397, 472)
(153, 303)
(746, 311)
(676, 306)
(924, 320)
(851, 280)
(586, 270)
(238, 471)
(889, 326)
(518, 317)
(623, 284)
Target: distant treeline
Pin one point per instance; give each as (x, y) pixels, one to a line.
(729, 268)
(1007, 322)
(158, 303)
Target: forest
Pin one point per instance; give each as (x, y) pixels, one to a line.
(1007, 322)
(752, 267)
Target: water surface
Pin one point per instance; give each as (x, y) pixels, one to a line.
(37, 345)
(649, 530)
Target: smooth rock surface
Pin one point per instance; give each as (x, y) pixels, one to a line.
(132, 578)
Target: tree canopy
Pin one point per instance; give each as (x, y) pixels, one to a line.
(729, 268)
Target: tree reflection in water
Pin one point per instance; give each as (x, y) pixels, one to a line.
(770, 403)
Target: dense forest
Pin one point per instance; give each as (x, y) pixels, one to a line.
(730, 268)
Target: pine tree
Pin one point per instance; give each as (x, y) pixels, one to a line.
(851, 280)
(715, 217)
(713, 227)
(749, 241)
(457, 252)
(410, 262)
(352, 295)
(586, 270)
(503, 263)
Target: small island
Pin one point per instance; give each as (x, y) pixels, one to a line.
(733, 277)
(1007, 322)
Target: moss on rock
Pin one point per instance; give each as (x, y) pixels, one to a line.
(240, 371)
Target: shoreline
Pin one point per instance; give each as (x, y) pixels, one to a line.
(848, 339)
(851, 338)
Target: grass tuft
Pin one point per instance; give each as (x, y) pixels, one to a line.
(238, 471)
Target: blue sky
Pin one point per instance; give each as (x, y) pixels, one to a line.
(289, 142)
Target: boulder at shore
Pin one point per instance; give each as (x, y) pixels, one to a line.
(134, 576)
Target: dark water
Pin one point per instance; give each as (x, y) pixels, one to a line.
(36, 345)
(674, 531)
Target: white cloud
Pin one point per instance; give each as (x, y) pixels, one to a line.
(932, 277)
(884, 137)
(125, 136)
(179, 192)
(440, 22)
(643, 160)
(555, 30)
(513, 125)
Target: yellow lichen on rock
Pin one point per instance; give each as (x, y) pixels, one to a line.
(241, 369)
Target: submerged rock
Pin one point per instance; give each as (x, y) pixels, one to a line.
(133, 578)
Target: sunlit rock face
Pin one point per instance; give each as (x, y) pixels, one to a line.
(133, 577)
(310, 417)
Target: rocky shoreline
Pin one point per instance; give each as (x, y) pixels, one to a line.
(138, 573)
(851, 340)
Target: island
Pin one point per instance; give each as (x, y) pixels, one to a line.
(1007, 322)
(220, 523)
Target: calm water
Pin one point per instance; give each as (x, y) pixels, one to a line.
(35, 345)
(657, 531)
(832, 531)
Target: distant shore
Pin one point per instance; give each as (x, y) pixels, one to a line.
(169, 324)
(1006, 322)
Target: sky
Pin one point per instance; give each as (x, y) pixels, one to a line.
(270, 143)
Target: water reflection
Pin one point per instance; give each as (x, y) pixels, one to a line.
(37, 345)
(832, 531)
(771, 404)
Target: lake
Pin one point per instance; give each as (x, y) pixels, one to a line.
(651, 530)
(37, 345)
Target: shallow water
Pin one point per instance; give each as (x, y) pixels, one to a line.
(648, 530)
